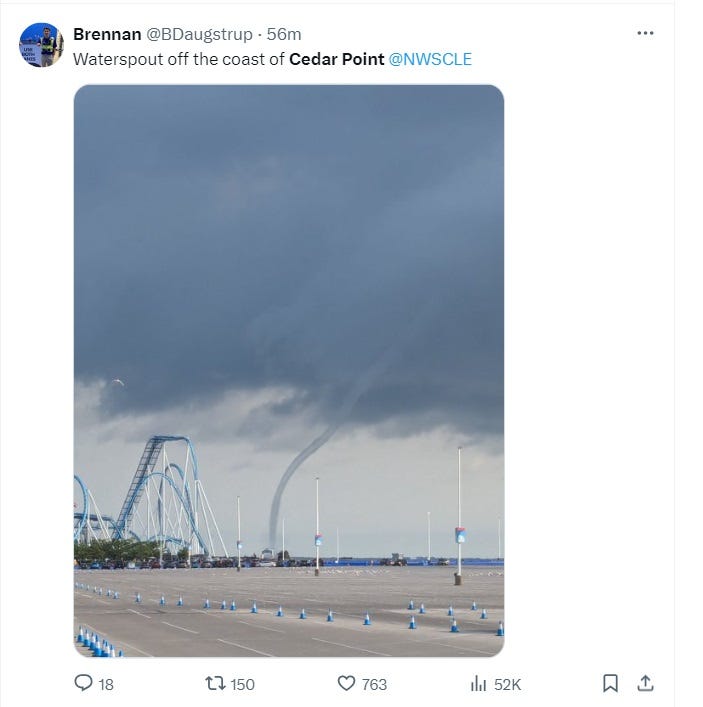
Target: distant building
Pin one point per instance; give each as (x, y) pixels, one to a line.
(268, 558)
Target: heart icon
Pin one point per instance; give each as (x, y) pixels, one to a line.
(346, 682)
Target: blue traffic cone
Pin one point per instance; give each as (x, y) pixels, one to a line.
(501, 630)
(473, 606)
(330, 617)
(450, 611)
(112, 651)
(120, 654)
(109, 593)
(455, 628)
(97, 652)
(116, 595)
(412, 622)
(138, 598)
(223, 605)
(86, 639)
(411, 605)
(484, 614)
(162, 601)
(254, 610)
(79, 637)
(180, 601)
(206, 605)
(106, 650)
(422, 608)
(367, 620)
(280, 611)
(232, 606)
(302, 614)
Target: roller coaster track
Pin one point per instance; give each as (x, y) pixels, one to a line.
(150, 456)
(165, 502)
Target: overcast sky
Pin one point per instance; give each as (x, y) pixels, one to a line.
(261, 266)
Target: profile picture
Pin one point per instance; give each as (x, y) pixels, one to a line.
(41, 44)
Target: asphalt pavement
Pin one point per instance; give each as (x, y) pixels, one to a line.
(210, 612)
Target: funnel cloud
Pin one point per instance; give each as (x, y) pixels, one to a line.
(362, 384)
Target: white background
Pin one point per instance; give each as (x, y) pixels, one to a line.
(590, 351)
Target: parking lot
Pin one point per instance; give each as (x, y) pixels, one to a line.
(257, 612)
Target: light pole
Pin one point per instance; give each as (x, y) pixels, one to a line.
(161, 522)
(318, 537)
(429, 540)
(239, 539)
(460, 531)
(499, 531)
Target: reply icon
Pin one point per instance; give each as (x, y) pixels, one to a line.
(83, 681)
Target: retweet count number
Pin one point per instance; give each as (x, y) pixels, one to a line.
(242, 684)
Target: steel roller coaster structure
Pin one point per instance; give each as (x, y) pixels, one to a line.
(165, 502)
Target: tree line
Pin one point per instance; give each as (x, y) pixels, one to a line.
(119, 551)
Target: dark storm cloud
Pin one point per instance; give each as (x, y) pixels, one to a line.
(239, 237)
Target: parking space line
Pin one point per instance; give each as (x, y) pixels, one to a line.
(246, 648)
(180, 627)
(467, 649)
(124, 643)
(354, 648)
(263, 628)
(134, 611)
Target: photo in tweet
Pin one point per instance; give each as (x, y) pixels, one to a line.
(289, 371)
